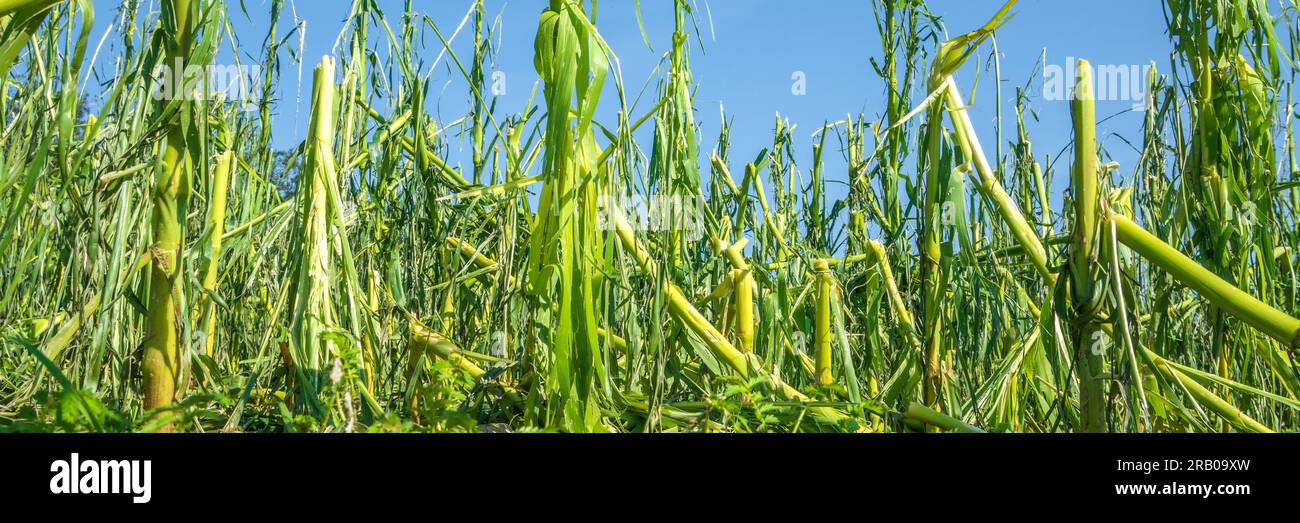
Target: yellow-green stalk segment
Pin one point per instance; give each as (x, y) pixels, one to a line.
(751, 176)
(944, 89)
(425, 342)
(1240, 304)
(1203, 396)
(932, 284)
(68, 327)
(1088, 340)
(743, 286)
(216, 231)
(723, 290)
(741, 283)
(992, 188)
(476, 78)
(470, 252)
(368, 352)
(678, 305)
(822, 323)
(896, 301)
(933, 418)
(163, 359)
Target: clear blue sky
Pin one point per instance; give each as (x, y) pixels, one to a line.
(751, 49)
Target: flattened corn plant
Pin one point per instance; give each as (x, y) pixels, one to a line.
(164, 266)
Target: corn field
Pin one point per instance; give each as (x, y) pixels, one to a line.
(164, 266)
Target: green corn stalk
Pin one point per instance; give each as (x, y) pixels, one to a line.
(571, 61)
(933, 282)
(1088, 350)
(990, 187)
(163, 356)
(325, 327)
(743, 285)
(216, 230)
(822, 322)
(931, 253)
(1272, 322)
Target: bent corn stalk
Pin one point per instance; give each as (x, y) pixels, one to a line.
(1268, 320)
